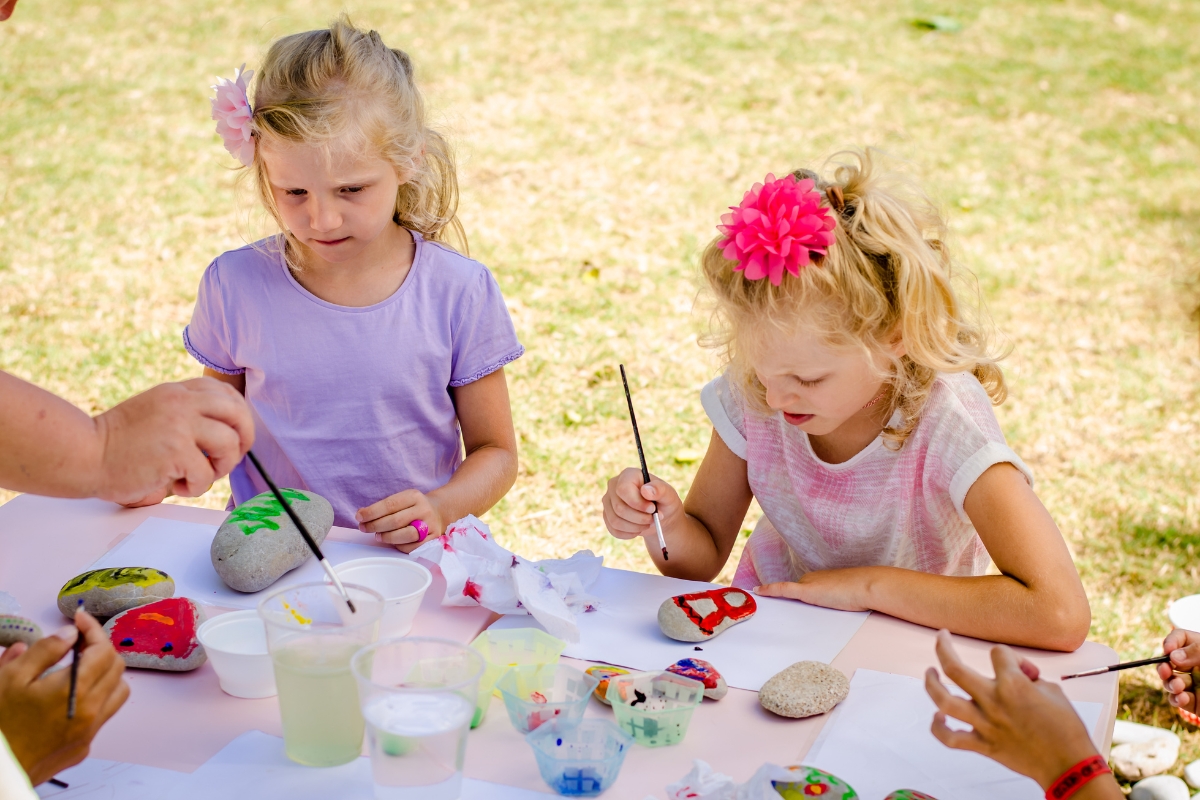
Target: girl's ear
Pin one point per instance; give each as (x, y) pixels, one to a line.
(896, 348)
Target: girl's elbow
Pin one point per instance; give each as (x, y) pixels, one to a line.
(1069, 623)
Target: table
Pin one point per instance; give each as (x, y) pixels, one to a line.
(180, 720)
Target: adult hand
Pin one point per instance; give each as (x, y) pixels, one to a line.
(629, 505)
(1184, 649)
(843, 589)
(391, 519)
(1026, 724)
(175, 437)
(33, 706)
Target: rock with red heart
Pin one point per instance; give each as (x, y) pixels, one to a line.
(700, 670)
(702, 615)
(159, 635)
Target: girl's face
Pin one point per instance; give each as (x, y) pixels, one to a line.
(336, 206)
(817, 387)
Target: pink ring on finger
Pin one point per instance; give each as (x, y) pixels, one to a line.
(421, 528)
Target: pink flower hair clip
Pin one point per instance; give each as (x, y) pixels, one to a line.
(231, 109)
(779, 225)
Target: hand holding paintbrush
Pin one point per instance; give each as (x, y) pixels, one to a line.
(637, 437)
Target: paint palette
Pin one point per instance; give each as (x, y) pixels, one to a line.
(655, 708)
(537, 694)
(579, 759)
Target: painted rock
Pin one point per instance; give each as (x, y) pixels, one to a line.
(604, 672)
(18, 629)
(160, 635)
(909, 794)
(700, 670)
(700, 616)
(257, 544)
(105, 592)
(804, 689)
(815, 783)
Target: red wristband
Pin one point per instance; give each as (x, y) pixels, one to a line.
(1188, 717)
(1074, 779)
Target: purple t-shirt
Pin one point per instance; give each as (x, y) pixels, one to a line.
(351, 403)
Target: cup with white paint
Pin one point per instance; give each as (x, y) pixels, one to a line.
(236, 644)
(402, 583)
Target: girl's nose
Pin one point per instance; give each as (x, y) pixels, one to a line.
(777, 399)
(324, 216)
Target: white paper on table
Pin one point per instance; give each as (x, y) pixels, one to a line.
(181, 549)
(624, 631)
(878, 740)
(253, 766)
(97, 779)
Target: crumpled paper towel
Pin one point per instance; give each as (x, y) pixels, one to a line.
(9, 604)
(480, 572)
(702, 783)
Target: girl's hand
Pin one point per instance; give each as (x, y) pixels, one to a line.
(842, 589)
(391, 519)
(629, 505)
(1184, 649)
(1026, 724)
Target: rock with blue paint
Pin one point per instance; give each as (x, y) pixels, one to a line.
(159, 635)
(15, 629)
(700, 670)
(258, 544)
(110, 591)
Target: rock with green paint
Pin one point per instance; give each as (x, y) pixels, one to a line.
(257, 544)
(106, 592)
(18, 629)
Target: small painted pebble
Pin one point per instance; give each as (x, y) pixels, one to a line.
(909, 794)
(700, 670)
(18, 629)
(814, 783)
(804, 689)
(702, 615)
(1160, 787)
(603, 672)
(106, 592)
(160, 635)
(257, 544)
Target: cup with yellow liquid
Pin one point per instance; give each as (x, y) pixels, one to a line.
(312, 635)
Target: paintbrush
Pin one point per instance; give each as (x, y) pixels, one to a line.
(1145, 662)
(75, 667)
(637, 437)
(308, 539)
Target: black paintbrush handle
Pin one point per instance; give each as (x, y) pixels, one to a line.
(308, 539)
(637, 437)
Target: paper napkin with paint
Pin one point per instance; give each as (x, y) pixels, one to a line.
(480, 572)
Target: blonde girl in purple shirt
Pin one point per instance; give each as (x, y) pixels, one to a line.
(371, 350)
(856, 407)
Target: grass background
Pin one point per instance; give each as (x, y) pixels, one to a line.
(599, 142)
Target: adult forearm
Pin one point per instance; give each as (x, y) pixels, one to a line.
(992, 607)
(49, 446)
(484, 477)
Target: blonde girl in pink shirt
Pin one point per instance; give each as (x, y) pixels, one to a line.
(856, 407)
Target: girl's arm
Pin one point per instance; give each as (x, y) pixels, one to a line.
(486, 474)
(699, 533)
(1036, 601)
(236, 381)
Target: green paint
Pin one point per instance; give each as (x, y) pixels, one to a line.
(113, 577)
(263, 511)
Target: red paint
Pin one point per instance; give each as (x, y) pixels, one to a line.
(153, 626)
(724, 611)
(472, 590)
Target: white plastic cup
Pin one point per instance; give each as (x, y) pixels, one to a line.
(236, 644)
(401, 582)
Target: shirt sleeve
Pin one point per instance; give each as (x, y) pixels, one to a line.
(207, 336)
(484, 339)
(726, 414)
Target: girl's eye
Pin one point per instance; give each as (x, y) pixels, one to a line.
(296, 192)
(809, 384)
(354, 189)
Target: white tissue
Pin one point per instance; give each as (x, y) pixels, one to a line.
(480, 572)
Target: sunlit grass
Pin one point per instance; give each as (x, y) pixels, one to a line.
(599, 143)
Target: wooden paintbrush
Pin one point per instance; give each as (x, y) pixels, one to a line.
(308, 539)
(1145, 662)
(74, 667)
(637, 437)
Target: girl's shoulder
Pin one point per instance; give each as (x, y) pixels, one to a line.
(251, 262)
(959, 404)
(451, 268)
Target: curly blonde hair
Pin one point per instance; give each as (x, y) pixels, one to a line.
(887, 276)
(343, 85)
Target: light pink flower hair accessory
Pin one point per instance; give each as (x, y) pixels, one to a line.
(231, 110)
(780, 225)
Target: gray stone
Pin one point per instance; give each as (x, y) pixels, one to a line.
(1160, 787)
(1191, 774)
(804, 689)
(160, 635)
(702, 615)
(257, 544)
(106, 592)
(1136, 760)
(18, 629)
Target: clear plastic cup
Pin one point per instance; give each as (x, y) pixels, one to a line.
(418, 696)
(503, 648)
(312, 635)
(539, 693)
(581, 758)
(654, 708)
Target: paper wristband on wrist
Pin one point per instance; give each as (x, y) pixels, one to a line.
(1189, 717)
(1076, 777)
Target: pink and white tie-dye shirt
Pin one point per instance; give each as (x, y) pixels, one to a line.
(883, 507)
